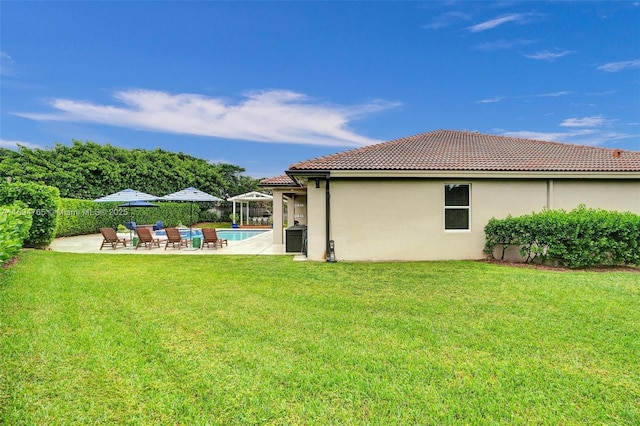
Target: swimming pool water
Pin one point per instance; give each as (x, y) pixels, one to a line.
(184, 233)
(229, 234)
(238, 234)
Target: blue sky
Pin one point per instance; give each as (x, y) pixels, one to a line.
(266, 84)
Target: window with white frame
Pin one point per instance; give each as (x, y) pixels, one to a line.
(457, 206)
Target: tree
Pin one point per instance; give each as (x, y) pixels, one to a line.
(87, 170)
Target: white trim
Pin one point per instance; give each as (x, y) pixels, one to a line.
(445, 208)
(477, 174)
(251, 196)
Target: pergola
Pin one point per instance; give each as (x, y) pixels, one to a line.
(247, 198)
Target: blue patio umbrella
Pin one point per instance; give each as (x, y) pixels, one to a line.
(126, 196)
(193, 195)
(136, 204)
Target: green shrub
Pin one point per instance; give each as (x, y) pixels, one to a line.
(110, 215)
(580, 238)
(77, 217)
(15, 222)
(44, 202)
(80, 217)
(206, 216)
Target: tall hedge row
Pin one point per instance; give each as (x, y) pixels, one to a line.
(88, 170)
(44, 200)
(171, 214)
(15, 222)
(79, 217)
(580, 238)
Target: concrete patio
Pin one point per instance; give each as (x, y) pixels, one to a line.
(259, 245)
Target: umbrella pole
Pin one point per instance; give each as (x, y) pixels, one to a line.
(190, 220)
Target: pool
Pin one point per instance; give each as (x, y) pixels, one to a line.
(229, 234)
(184, 233)
(239, 234)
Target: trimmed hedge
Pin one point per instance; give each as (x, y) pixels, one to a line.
(77, 217)
(44, 200)
(171, 214)
(80, 217)
(206, 216)
(15, 222)
(580, 238)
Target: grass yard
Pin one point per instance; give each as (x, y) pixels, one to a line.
(92, 339)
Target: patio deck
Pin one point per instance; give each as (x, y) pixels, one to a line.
(258, 245)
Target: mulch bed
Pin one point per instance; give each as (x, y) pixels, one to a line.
(10, 262)
(493, 261)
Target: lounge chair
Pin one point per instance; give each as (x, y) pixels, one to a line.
(111, 238)
(145, 238)
(174, 237)
(158, 226)
(210, 236)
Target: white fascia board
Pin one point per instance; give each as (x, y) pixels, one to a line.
(480, 174)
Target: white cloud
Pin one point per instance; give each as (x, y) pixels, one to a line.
(548, 56)
(540, 136)
(492, 100)
(550, 95)
(275, 116)
(492, 23)
(503, 44)
(14, 144)
(619, 66)
(446, 20)
(6, 64)
(582, 136)
(608, 92)
(582, 131)
(542, 95)
(595, 121)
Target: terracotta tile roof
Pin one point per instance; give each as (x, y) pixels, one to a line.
(282, 180)
(472, 151)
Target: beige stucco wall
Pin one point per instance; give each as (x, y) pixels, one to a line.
(404, 219)
(277, 216)
(316, 238)
(609, 194)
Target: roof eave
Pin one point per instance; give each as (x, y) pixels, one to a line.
(307, 173)
(481, 174)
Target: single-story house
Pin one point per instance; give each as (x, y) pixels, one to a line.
(429, 196)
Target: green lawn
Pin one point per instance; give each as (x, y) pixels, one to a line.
(94, 339)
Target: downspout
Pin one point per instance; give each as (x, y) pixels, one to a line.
(329, 256)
